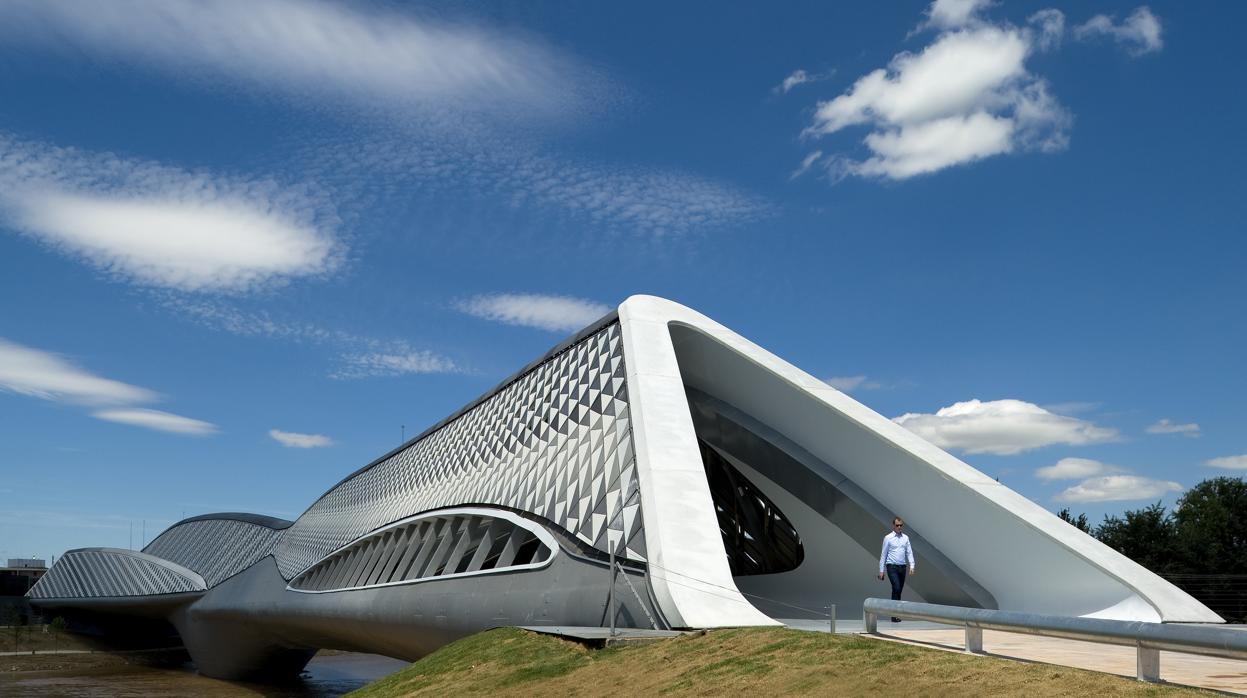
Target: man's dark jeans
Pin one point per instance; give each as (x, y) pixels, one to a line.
(896, 576)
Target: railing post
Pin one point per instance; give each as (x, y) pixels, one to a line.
(1148, 664)
(871, 620)
(974, 640)
(611, 592)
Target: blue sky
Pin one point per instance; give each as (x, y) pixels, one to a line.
(243, 246)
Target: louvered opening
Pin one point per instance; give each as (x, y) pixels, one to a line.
(427, 548)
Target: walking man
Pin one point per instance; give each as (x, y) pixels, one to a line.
(896, 559)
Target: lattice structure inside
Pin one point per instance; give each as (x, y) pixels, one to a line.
(427, 548)
(556, 442)
(216, 549)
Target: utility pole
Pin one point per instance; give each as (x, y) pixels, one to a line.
(402, 434)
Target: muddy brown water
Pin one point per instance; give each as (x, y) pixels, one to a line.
(325, 676)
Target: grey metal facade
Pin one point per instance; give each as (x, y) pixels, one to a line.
(557, 442)
(110, 572)
(216, 548)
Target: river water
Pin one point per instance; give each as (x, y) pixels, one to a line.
(325, 676)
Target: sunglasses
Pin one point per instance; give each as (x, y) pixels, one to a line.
(898, 525)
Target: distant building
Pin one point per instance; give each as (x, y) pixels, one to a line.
(656, 463)
(20, 574)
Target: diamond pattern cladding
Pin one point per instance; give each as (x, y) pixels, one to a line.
(81, 574)
(556, 442)
(217, 550)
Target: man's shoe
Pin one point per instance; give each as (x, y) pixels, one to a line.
(895, 619)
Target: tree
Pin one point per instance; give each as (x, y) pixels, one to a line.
(1079, 523)
(1211, 526)
(1147, 536)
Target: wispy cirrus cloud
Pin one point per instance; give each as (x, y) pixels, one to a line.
(341, 53)
(156, 420)
(158, 226)
(1118, 488)
(49, 376)
(1002, 427)
(1139, 33)
(1229, 462)
(1165, 426)
(616, 197)
(293, 439)
(358, 356)
(800, 77)
(966, 96)
(393, 363)
(554, 313)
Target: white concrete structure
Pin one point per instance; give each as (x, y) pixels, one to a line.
(733, 488)
(840, 471)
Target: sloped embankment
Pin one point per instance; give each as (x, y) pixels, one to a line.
(765, 661)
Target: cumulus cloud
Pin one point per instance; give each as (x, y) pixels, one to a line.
(554, 313)
(966, 96)
(310, 48)
(291, 439)
(49, 376)
(163, 227)
(848, 384)
(952, 14)
(1076, 469)
(157, 420)
(1140, 33)
(1115, 488)
(1230, 462)
(1002, 427)
(1165, 426)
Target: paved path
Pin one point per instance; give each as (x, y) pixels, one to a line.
(1227, 675)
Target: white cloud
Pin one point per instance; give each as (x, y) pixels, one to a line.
(292, 439)
(848, 384)
(1050, 23)
(966, 96)
(1230, 462)
(360, 356)
(1002, 427)
(554, 313)
(952, 14)
(159, 226)
(309, 48)
(1076, 469)
(49, 376)
(800, 77)
(1140, 33)
(1114, 488)
(157, 420)
(806, 164)
(1165, 426)
(394, 364)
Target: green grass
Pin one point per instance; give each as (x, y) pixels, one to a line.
(762, 661)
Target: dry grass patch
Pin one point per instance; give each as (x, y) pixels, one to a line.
(776, 661)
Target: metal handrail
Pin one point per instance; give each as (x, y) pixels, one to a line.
(1148, 638)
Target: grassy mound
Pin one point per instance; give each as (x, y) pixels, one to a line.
(775, 661)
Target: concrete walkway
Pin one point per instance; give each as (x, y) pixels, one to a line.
(1228, 675)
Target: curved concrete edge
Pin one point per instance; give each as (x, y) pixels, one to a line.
(674, 490)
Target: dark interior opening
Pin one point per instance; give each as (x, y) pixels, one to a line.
(757, 536)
